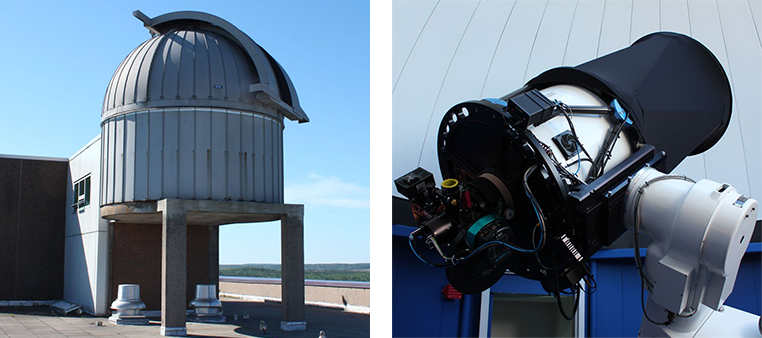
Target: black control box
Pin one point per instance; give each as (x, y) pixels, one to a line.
(531, 108)
(414, 183)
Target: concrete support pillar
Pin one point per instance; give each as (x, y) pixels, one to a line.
(292, 270)
(214, 257)
(173, 268)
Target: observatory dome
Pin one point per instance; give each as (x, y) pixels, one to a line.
(193, 59)
(195, 112)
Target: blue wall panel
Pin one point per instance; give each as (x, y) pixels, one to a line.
(419, 309)
(614, 310)
(747, 292)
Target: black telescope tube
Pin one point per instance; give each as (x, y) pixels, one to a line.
(675, 89)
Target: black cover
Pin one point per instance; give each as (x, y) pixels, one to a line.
(676, 91)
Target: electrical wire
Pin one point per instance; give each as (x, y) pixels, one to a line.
(561, 169)
(454, 260)
(643, 306)
(415, 252)
(584, 159)
(605, 156)
(563, 107)
(593, 286)
(636, 222)
(536, 255)
(436, 245)
(560, 305)
(536, 207)
(579, 159)
(636, 231)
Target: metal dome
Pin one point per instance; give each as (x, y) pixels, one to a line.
(196, 59)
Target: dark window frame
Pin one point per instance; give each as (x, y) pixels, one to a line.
(81, 190)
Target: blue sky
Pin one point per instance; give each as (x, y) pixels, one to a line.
(58, 58)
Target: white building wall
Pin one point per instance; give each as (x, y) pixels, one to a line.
(445, 52)
(86, 255)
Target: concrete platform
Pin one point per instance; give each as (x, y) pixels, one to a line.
(42, 322)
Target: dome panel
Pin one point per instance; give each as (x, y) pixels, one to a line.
(199, 60)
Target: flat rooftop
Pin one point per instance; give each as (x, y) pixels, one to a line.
(43, 322)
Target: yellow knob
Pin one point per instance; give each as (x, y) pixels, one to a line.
(449, 183)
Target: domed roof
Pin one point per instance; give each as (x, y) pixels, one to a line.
(196, 59)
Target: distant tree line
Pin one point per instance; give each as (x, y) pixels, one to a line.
(332, 274)
(318, 266)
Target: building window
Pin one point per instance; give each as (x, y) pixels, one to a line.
(81, 194)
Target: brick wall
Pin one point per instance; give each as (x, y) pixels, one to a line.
(32, 222)
(137, 260)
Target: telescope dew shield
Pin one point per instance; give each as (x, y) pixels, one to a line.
(675, 89)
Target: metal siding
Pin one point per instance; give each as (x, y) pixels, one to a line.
(119, 160)
(216, 67)
(745, 71)
(203, 161)
(172, 66)
(245, 75)
(116, 94)
(410, 18)
(155, 155)
(282, 176)
(129, 157)
(122, 84)
(512, 53)
(186, 78)
(187, 65)
(582, 44)
(156, 74)
(141, 157)
(219, 163)
(142, 82)
(673, 17)
(645, 19)
(259, 159)
(133, 71)
(186, 176)
(615, 29)
(430, 59)
(247, 147)
(268, 172)
(104, 165)
(234, 156)
(231, 70)
(201, 67)
(546, 51)
(187, 153)
(111, 162)
(279, 163)
(108, 100)
(171, 152)
(72, 227)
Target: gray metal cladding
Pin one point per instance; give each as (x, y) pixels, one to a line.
(192, 153)
(195, 112)
(183, 68)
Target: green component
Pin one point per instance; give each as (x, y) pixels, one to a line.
(477, 226)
